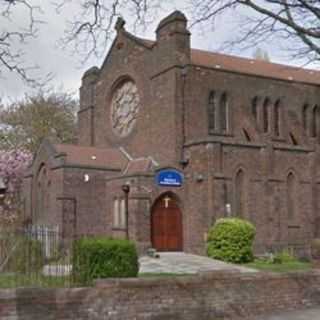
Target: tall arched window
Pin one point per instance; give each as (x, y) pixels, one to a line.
(40, 191)
(315, 121)
(239, 193)
(305, 110)
(266, 104)
(212, 111)
(291, 195)
(223, 112)
(254, 106)
(277, 118)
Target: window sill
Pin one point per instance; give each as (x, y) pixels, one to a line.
(294, 226)
(119, 229)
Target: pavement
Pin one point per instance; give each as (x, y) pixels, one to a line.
(306, 314)
(183, 263)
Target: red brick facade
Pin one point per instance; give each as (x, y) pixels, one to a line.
(244, 133)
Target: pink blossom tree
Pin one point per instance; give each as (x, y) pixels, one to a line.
(13, 165)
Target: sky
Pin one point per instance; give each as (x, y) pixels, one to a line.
(66, 68)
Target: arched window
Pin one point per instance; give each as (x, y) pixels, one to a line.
(305, 117)
(40, 191)
(277, 118)
(239, 193)
(266, 104)
(254, 106)
(212, 111)
(223, 112)
(291, 195)
(315, 121)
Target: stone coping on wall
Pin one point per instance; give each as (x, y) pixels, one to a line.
(211, 295)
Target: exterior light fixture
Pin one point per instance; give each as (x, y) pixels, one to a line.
(126, 189)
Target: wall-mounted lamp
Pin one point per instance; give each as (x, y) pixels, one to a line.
(126, 189)
(228, 209)
(199, 177)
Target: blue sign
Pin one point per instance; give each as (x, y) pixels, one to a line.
(169, 178)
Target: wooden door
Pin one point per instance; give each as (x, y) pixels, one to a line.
(166, 225)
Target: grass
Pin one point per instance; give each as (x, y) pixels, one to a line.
(289, 266)
(163, 274)
(10, 280)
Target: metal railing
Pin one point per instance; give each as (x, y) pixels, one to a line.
(36, 256)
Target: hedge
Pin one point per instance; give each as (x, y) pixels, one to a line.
(96, 258)
(231, 240)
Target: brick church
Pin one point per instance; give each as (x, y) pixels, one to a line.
(172, 138)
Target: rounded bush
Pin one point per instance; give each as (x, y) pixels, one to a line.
(98, 258)
(231, 240)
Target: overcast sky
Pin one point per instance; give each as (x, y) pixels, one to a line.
(67, 69)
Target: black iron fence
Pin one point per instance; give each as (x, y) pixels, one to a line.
(36, 256)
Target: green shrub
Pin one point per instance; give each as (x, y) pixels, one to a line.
(231, 240)
(27, 256)
(95, 258)
(284, 256)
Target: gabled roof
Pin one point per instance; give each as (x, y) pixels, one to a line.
(247, 66)
(91, 156)
(254, 67)
(139, 166)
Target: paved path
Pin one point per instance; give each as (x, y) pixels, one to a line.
(179, 262)
(307, 314)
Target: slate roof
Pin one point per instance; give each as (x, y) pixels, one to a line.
(92, 156)
(248, 66)
(254, 67)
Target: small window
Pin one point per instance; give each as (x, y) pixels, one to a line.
(239, 193)
(255, 107)
(212, 111)
(223, 112)
(291, 195)
(315, 121)
(266, 104)
(119, 214)
(277, 118)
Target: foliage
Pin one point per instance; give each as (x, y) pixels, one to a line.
(26, 123)
(13, 164)
(284, 256)
(231, 240)
(95, 258)
(27, 257)
(290, 266)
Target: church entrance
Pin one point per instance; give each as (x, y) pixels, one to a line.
(166, 224)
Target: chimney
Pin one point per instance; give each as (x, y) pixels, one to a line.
(173, 35)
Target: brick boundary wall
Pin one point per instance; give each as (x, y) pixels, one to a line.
(208, 296)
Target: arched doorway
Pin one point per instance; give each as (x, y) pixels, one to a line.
(166, 224)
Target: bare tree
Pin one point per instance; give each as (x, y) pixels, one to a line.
(91, 30)
(14, 35)
(296, 21)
